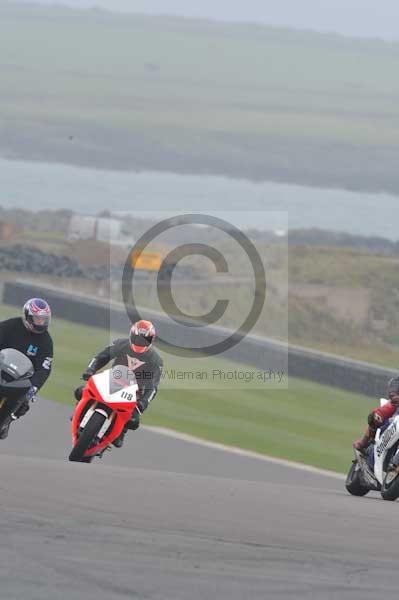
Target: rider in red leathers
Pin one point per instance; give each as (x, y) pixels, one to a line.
(380, 415)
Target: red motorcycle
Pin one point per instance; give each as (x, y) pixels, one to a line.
(107, 405)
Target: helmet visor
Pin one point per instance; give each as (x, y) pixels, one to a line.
(39, 323)
(140, 340)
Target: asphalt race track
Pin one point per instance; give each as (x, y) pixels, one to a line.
(166, 519)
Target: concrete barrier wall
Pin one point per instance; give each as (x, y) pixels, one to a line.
(258, 352)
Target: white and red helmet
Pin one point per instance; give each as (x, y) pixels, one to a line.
(142, 335)
(36, 315)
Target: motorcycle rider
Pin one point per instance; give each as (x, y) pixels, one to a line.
(30, 336)
(137, 353)
(378, 417)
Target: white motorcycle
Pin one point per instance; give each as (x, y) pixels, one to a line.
(378, 468)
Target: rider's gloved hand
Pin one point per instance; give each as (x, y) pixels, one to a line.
(31, 394)
(361, 444)
(87, 374)
(365, 441)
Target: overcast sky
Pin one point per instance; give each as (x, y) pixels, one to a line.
(365, 18)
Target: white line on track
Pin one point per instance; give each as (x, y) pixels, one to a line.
(241, 452)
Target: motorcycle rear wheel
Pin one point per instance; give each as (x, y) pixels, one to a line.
(86, 438)
(354, 482)
(390, 486)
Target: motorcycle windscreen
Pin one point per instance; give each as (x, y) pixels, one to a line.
(15, 363)
(120, 377)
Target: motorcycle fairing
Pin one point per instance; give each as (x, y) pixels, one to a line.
(115, 397)
(383, 442)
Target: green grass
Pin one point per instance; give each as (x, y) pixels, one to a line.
(248, 100)
(305, 422)
(315, 324)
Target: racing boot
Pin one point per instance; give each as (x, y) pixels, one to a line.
(5, 428)
(134, 422)
(118, 443)
(78, 396)
(4, 431)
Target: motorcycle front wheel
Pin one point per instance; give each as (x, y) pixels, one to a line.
(87, 438)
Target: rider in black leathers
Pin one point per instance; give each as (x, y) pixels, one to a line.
(30, 336)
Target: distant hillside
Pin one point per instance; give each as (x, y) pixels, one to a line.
(340, 16)
(130, 92)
